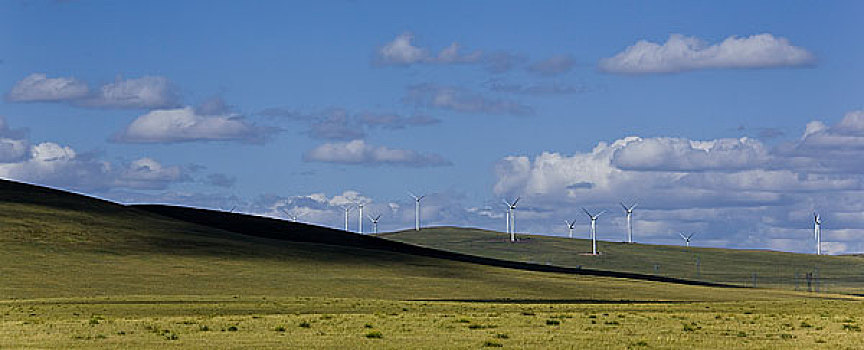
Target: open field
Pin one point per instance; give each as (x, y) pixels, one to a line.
(77, 272)
(225, 322)
(841, 274)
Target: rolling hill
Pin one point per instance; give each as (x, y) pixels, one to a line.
(59, 244)
(729, 266)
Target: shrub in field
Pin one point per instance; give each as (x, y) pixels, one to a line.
(374, 335)
(492, 344)
(232, 329)
(280, 328)
(304, 324)
(553, 322)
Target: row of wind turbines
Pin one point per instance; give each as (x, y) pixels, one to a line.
(511, 222)
(628, 211)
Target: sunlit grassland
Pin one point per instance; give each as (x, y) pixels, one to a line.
(264, 322)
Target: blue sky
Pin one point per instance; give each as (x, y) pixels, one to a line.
(304, 107)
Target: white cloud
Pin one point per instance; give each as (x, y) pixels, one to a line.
(732, 192)
(146, 173)
(358, 152)
(147, 92)
(37, 87)
(681, 53)
(402, 51)
(52, 164)
(184, 125)
(677, 154)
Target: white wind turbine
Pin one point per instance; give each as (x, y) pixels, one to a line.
(686, 238)
(593, 229)
(417, 200)
(570, 225)
(291, 216)
(511, 218)
(347, 209)
(817, 232)
(629, 212)
(374, 220)
(360, 218)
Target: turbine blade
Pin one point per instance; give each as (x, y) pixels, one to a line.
(600, 213)
(624, 206)
(587, 213)
(516, 201)
(682, 235)
(634, 206)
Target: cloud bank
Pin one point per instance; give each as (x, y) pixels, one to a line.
(358, 152)
(185, 125)
(141, 93)
(682, 53)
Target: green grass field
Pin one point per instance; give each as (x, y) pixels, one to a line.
(77, 272)
(841, 274)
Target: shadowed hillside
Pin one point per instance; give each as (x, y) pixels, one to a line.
(58, 244)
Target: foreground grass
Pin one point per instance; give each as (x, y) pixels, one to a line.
(263, 322)
(842, 274)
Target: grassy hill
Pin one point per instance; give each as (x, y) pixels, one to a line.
(771, 269)
(58, 244)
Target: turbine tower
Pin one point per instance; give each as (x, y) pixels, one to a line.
(593, 229)
(347, 209)
(686, 238)
(570, 225)
(817, 232)
(360, 218)
(374, 220)
(292, 217)
(417, 210)
(629, 212)
(511, 218)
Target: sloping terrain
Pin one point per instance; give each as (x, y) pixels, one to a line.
(58, 244)
(730, 266)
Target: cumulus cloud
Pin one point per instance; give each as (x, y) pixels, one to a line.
(461, 100)
(146, 92)
(682, 53)
(37, 87)
(557, 64)
(184, 125)
(734, 192)
(358, 152)
(53, 164)
(677, 154)
(402, 51)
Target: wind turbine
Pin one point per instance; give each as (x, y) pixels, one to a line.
(374, 223)
(292, 217)
(511, 218)
(629, 212)
(347, 209)
(817, 232)
(360, 218)
(686, 238)
(593, 229)
(417, 210)
(570, 225)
